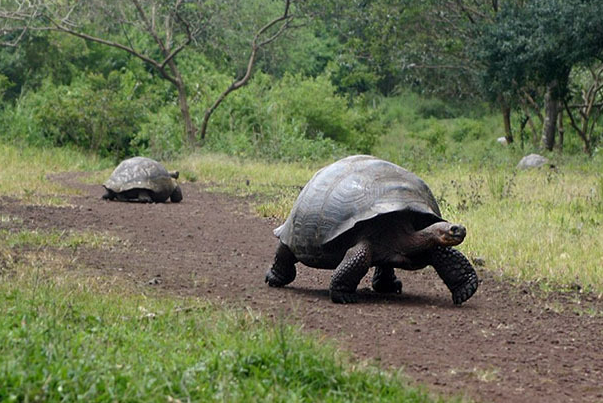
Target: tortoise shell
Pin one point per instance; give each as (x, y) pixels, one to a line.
(140, 173)
(350, 191)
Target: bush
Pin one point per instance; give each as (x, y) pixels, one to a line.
(326, 114)
(295, 118)
(161, 135)
(94, 113)
(435, 108)
(468, 129)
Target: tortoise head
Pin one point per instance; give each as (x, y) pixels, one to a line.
(174, 174)
(447, 234)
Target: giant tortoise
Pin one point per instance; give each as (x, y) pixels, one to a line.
(361, 212)
(141, 179)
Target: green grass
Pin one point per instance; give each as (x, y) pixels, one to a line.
(531, 226)
(57, 239)
(275, 185)
(68, 340)
(25, 169)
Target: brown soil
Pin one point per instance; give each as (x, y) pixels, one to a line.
(508, 343)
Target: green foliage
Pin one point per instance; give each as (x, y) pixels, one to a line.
(468, 129)
(326, 114)
(94, 113)
(295, 118)
(435, 108)
(539, 42)
(5, 85)
(161, 135)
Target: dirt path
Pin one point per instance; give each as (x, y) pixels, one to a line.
(505, 345)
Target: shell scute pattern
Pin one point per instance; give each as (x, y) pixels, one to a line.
(347, 192)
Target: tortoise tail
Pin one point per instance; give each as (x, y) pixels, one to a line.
(457, 273)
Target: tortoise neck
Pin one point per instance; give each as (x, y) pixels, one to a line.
(421, 240)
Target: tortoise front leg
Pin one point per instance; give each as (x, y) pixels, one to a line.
(456, 271)
(385, 280)
(283, 270)
(347, 275)
(109, 195)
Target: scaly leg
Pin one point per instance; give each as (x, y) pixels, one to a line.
(385, 281)
(347, 275)
(282, 271)
(456, 271)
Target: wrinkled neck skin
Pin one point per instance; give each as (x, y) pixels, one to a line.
(397, 244)
(407, 241)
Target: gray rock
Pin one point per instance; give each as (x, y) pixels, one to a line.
(532, 161)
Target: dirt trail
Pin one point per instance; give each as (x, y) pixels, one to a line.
(506, 344)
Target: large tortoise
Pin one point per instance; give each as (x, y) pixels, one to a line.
(361, 212)
(141, 179)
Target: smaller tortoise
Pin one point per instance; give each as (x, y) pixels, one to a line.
(361, 212)
(141, 179)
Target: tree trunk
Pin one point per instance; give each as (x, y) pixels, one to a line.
(551, 108)
(190, 130)
(506, 111)
(561, 130)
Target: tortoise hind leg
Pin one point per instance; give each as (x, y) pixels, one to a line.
(385, 281)
(348, 274)
(283, 270)
(456, 271)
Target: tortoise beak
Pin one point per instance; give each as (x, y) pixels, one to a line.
(457, 231)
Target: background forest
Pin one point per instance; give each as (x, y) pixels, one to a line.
(298, 80)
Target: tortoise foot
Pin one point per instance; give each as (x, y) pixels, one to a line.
(276, 279)
(464, 291)
(385, 281)
(456, 271)
(342, 297)
(389, 287)
(283, 270)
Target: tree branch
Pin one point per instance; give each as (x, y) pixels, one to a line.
(62, 28)
(252, 57)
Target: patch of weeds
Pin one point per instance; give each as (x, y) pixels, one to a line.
(189, 175)
(595, 198)
(469, 196)
(7, 261)
(486, 375)
(501, 186)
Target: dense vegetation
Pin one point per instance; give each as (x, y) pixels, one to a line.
(326, 83)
